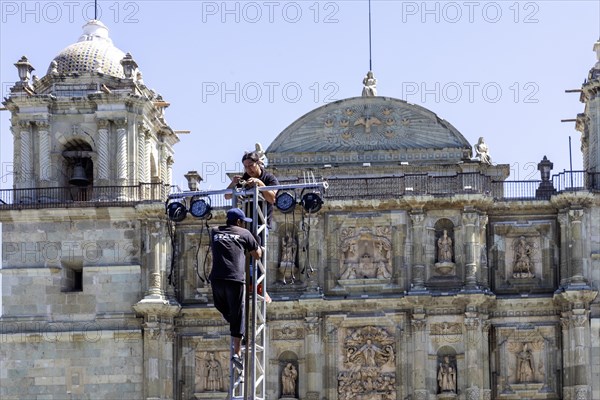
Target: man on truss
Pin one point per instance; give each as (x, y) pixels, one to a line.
(229, 244)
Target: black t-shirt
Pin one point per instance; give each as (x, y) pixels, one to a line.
(269, 180)
(229, 246)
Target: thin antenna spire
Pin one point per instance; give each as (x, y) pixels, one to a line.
(95, 9)
(370, 56)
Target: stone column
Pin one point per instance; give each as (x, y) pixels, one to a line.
(158, 349)
(142, 164)
(419, 325)
(483, 264)
(399, 251)
(418, 251)
(563, 220)
(487, 385)
(163, 163)
(26, 153)
(122, 152)
(577, 374)
(581, 372)
(45, 168)
(576, 275)
(566, 356)
(474, 357)
(330, 388)
(314, 355)
(103, 166)
(153, 256)
(470, 220)
(170, 162)
(158, 312)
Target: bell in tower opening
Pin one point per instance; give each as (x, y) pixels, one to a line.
(79, 177)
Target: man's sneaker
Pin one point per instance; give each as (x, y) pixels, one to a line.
(238, 363)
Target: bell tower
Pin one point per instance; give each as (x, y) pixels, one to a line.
(89, 121)
(85, 243)
(588, 123)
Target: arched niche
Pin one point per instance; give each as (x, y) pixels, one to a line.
(78, 168)
(441, 225)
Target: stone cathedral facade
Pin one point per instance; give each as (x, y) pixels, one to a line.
(425, 275)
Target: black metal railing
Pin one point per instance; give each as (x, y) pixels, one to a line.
(462, 183)
(339, 189)
(93, 196)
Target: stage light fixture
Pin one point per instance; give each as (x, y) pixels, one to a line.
(176, 210)
(200, 207)
(311, 202)
(285, 201)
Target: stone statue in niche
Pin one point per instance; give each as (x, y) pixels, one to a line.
(288, 380)
(445, 248)
(523, 258)
(446, 375)
(445, 253)
(287, 265)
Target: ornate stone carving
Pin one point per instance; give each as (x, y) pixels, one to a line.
(312, 325)
(524, 251)
(581, 392)
(473, 393)
(369, 365)
(210, 376)
(103, 151)
(288, 332)
(446, 332)
(366, 253)
(525, 367)
(122, 157)
(471, 323)
(287, 263)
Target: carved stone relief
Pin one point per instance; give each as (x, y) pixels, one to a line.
(288, 266)
(524, 257)
(365, 253)
(211, 374)
(446, 332)
(287, 332)
(524, 251)
(526, 359)
(368, 370)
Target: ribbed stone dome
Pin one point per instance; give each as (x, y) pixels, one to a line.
(94, 50)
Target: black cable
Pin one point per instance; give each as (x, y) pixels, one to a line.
(171, 230)
(205, 279)
(306, 246)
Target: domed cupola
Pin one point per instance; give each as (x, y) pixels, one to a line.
(93, 52)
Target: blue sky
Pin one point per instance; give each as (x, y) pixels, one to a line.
(237, 73)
